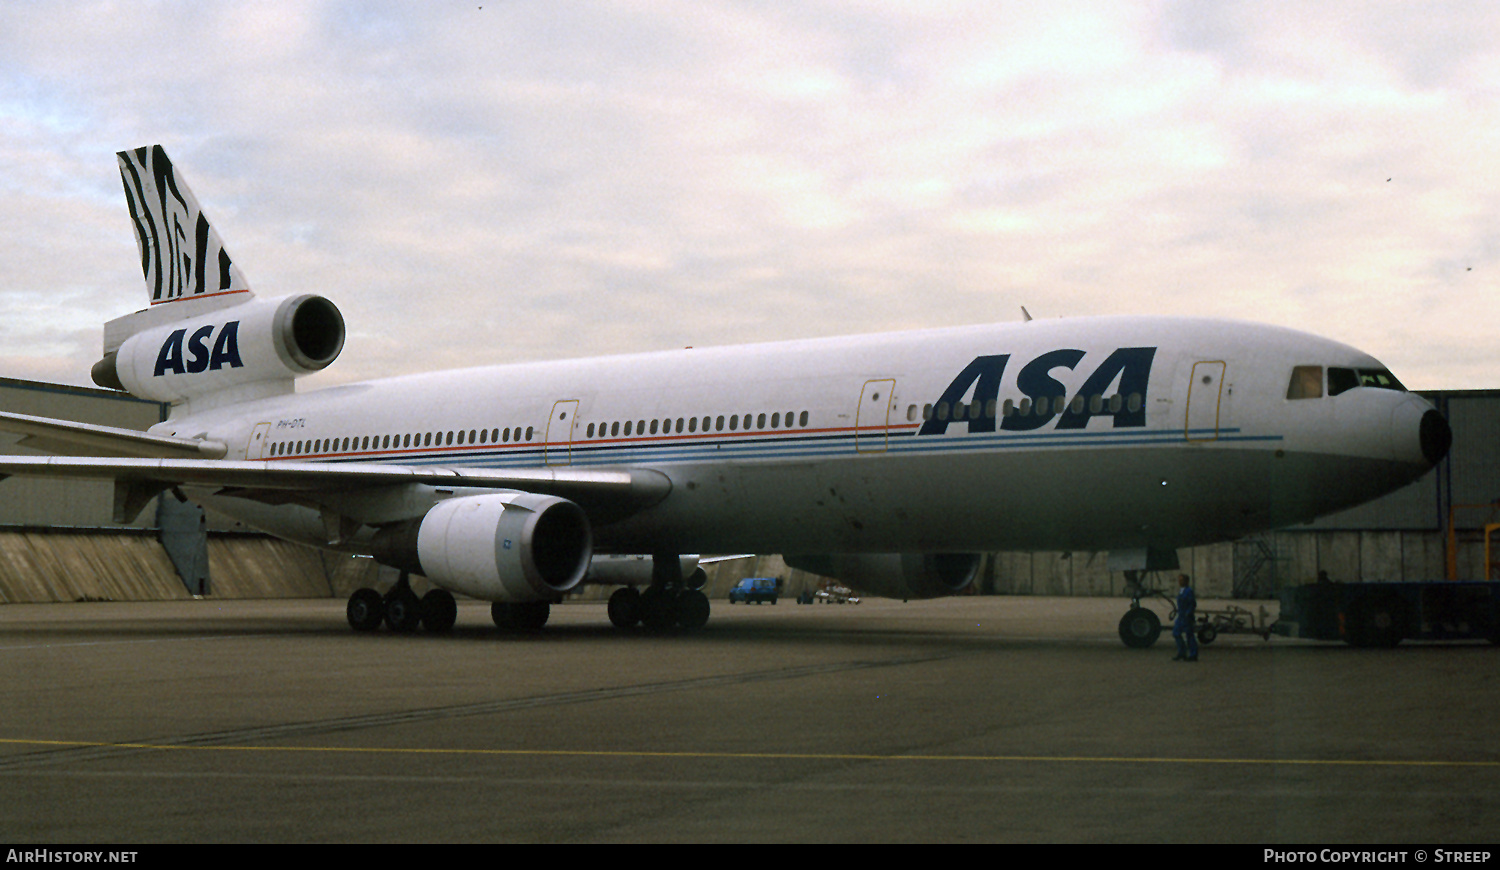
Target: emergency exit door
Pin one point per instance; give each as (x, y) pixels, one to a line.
(872, 420)
(558, 445)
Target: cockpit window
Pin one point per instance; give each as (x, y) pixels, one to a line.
(1379, 378)
(1307, 383)
(1341, 380)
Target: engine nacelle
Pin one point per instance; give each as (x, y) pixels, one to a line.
(515, 546)
(896, 575)
(629, 570)
(260, 340)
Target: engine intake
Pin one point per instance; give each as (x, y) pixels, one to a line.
(516, 546)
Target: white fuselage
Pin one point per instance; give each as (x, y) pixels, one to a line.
(1172, 432)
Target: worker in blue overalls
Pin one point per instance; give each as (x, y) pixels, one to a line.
(1183, 628)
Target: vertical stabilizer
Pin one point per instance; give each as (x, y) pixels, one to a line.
(181, 255)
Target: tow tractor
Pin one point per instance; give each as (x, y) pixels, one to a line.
(1140, 626)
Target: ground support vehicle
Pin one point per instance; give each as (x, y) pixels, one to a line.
(835, 593)
(1232, 619)
(754, 590)
(1384, 614)
(1140, 626)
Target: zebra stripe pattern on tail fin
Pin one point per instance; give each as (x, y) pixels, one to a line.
(182, 256)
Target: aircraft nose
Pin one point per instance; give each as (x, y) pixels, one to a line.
(1435, 436)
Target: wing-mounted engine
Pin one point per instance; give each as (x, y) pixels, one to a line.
(896, 575)
(512, 546)
(265, 342)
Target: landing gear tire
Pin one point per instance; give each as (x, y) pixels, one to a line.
(403, 612)
(657, 610)
(625, 607)
(526, 617)
(439, 610)
(1139, 628)
(366, 610)
(663, 610)
(692, 610)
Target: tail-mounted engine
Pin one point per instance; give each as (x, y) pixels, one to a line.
(260, 341)
(515, 546)
(896, 575)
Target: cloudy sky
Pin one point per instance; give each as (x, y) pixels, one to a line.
(489, 181)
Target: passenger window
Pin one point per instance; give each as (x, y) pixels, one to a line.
(1306, 383)
(803, 420)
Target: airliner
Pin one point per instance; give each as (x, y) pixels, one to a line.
(890, 462)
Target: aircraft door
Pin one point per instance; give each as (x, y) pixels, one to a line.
(872, 419)
(260, 441)
(558, 444)
(1204, 401)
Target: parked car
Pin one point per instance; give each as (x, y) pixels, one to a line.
(756, 589)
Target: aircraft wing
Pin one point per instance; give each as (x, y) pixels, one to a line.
(68, 438)
(137, 480)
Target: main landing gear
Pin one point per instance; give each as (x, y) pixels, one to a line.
(669, 603)
(401, 609)
(1139, 627)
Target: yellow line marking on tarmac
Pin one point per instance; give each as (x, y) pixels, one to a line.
(763, 756)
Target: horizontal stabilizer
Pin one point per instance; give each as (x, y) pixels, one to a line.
(68, 438)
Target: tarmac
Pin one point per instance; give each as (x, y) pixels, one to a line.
(958, 720)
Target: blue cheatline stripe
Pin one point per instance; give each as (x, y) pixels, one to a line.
(584, 453)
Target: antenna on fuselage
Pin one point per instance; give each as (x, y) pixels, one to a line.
(1026, 314)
